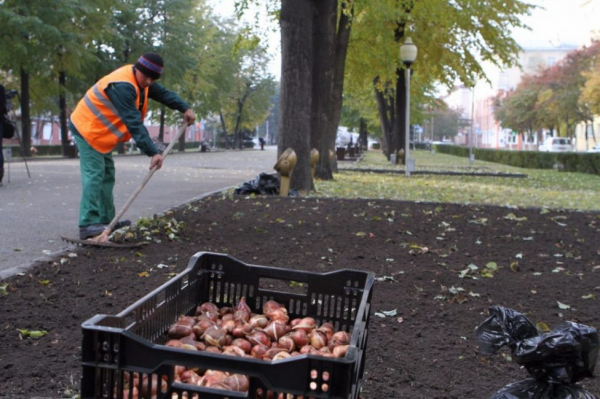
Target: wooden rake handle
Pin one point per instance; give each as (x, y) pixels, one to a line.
(138, 190)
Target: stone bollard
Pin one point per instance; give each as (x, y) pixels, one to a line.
(285, 166)
(401, 157)
(314, 158)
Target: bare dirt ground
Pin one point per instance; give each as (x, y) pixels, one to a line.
(420, 253)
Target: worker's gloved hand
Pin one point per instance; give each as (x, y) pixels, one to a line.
(157, 160)
(189, 116)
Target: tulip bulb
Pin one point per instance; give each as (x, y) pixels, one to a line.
(275, 330)
(307, 324)
(286, 342)
(233, 350)
(327, 329)
(340, 338)
(259, 338)
(206, 307)
(340, 351)
(243, 344)
(215, 336)
(177, 331)
(270, 306)
(258, 321)
(281, 355)
(242, 311)
(317, 339)
(200, 328)
(238, 382)
(258, 351)
(300, 338)
(280, 315)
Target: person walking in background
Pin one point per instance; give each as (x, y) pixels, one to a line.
(262, 143)
(113, 111)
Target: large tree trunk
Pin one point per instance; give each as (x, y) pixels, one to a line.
(398, 141)
(363, 134)
(62, 105)
(224, 127)
(296, 87)
(386, 115)
(342, 38)
(323, 70)
(25, 116)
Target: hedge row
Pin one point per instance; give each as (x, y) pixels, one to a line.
(56, 150)
(567, 161)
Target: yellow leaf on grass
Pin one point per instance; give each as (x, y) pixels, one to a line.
(542, 327)
(143, 274)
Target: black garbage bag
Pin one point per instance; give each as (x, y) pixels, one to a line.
(556, 360)
(264, 184)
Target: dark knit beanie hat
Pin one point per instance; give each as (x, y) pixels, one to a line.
(150, 64)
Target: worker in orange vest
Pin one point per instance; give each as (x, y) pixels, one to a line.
(113, 111)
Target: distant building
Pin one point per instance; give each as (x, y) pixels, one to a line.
(478, 104)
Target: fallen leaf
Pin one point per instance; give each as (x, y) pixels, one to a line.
(460, 298)
(143, 274)
(542, 327)
(33, 334)
(512, 216)
(514, 266)
(590, 296)
(44, 282)
(563, 306)
(386, 313)
(455, 290)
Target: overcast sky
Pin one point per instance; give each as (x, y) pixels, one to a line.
(560, 22)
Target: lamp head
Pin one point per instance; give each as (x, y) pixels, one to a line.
(408, 52)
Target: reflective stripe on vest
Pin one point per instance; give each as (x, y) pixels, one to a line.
(99, 115)
(96, 117)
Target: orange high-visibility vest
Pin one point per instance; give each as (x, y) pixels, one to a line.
(97, 119)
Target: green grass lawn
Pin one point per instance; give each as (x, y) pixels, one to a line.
(542, 188)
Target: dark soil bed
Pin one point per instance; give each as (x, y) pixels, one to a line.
(418, 250)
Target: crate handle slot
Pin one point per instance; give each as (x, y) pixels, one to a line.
(282, 286)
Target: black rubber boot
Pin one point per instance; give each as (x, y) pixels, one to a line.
(92, 230)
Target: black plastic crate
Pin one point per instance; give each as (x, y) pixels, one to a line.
(115, 348)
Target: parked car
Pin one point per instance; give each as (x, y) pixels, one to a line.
(556, 144)
(595, 148)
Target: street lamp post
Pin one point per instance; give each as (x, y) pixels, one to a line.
(471, 134)
(408, 55)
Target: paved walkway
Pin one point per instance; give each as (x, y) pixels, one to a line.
(35, 212)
